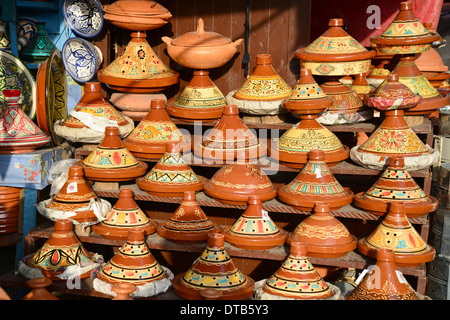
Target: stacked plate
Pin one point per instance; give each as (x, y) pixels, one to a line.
(9, 209)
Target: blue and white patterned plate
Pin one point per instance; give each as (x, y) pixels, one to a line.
(84, 17)
(81, 59)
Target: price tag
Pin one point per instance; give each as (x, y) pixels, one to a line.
(265, 214)
(72, 187)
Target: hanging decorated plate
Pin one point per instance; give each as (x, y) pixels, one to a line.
(81, 59)
(84, 17)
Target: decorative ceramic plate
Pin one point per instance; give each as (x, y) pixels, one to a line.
(15, 75)
(84, 17)
(26, 31)
(81, 59)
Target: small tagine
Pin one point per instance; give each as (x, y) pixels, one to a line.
(396, 185)
(254, 229)
(325, 236)
(235, 183)
(214, 270)
(360, 85)
(123, 216)
(112, 161)
(188, 224)
(171, 176)
(297, 278)
(315, 183)
(18, 133)
(39, 290)
(150, 137)
(395, 232)
(383, 281)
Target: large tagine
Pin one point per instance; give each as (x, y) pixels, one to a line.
(395, 232)
(254, 229)
(214, 270)
(325, 236)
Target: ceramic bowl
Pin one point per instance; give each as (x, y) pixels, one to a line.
(26, 31)
(84, 17)
(81, 59)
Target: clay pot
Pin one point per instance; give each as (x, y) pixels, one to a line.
(315, 183)
(112, 161)
(214, 270)
(123, 216)
(431, 61)
(39, 291)
(188, 224)
(325, 236)
(396, 233)
(384, 281)
(254, 229)
(235, 183)
(135, 105)
(297, 278)
(345, 99)
(123, 290)
(360, 85)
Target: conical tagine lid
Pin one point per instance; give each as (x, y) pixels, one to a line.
(254, 229)
(123, 216)
(188, 223)
(297, 278)
(325, 235)
(396, 233)
(396, 185)
(384, 281)
(133, 263)
(215, 270)
(315, 183)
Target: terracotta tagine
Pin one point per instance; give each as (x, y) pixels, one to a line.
(18, 133)
(396, 185)
(384, 281)
(381, 67)
(297, 278)
(123, 290)
(325, 236)
(112, 161)
(235, 183)
(229, 139)
(188, 224)
(395, 232)
(307, 100)
(133, 263)
(61, 250)
(214, 270)
(254, 229)
(171, 176)
(360, 85)
(39, 290)
(40, 47)
(314, 183)
(123, 216)
(150, 137)
(135, 106)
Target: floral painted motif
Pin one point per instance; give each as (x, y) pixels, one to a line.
(335, 45)
(263, 88)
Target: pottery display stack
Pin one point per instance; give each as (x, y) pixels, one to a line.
(9, 209)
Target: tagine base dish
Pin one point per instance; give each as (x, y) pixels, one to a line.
(323, 251)
(115, 175)
(153, 151)
(119, 233)
(254, 242)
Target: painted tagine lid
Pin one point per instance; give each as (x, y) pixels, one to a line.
(214, 270)
(61, 250)
(230, 139)
(235, 183)
(346, 101)
(75, 194)
(392, 284)
(171, 176)
(396, 185)
(132, 8)
(18, 133)
(123, 216)
(254, 229)
(150, 137)
(395, 232)
(112, 161)
(188, 224)
(297, 278)
(325, 236)
(315, 183)
(133, 263)
(39, 289)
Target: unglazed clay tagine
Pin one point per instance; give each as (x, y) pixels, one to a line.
(297, 278)
(18, 133)
(390, 283)
(325, 236)
(396, 185)
(188, 224)
(315, 183)
(254, 229)
(395, 232)
(171, 176)
(214, 270)
(39, 290)
(123, 216)
(235, 183)
(61, 250)
(150, 137)
(133, 263)
(112, 161)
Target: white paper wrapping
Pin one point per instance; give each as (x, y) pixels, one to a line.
(261, 108)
